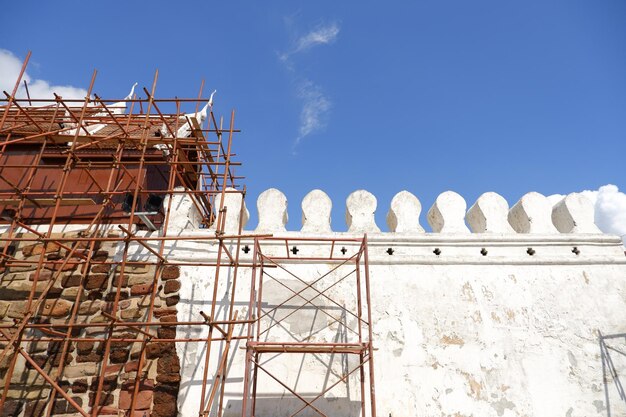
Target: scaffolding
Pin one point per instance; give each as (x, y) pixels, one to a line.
(348, 318)
(111, 170)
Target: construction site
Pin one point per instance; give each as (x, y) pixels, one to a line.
(130, 285)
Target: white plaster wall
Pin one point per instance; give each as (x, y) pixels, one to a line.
(461, 333)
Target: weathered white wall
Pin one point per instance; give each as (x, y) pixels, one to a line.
(482, 329)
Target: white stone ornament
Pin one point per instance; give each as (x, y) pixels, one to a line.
(183, 215)
(360, 209)
(232, 202)
(448, 213)
(272, 207)
(532, 214)
(404, 214)
(489, 214)
(574, 214)
(316, 208)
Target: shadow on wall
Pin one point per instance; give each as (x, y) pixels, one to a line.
(613, 353)
(287, 405)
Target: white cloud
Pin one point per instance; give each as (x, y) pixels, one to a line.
(315, 104)
(10, 67)
(610, 208)
(315, 109)
(320, 36)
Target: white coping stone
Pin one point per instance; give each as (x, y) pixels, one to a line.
(184, 215)
(360, 209)
(532, 214)
(489, 214)
(272, 207)
(404, 213)
(316, 208)
(448, 213)
(232, 203)
(574, 214)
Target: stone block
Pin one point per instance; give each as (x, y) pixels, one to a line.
(173, 300)
(80, 370)
(170, 272)
(141, 289)
(171, 286)
(79, 386)
(143, 401)
(89, 307)
(97, 281)
(56, 308)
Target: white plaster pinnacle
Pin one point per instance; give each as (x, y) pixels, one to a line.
(489, 214)
(232, 203)
(532, 214)
(574, 214)
(272, 207)
(360, 209)
(404, 214)
(448, 213)
(316, 208)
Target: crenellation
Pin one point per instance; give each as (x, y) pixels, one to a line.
(532, 214)
(574, 214)
(316, 209)
(490, 214)
(272, 208)
(447, 215)
(404, 214)
(360, 209)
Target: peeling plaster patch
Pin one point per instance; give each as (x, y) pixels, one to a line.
(502, 405)
(487, 293)
(495, 317)
(468, 293)
(475, 386)
(586, 277)
(476, 317)
(452, 340)
(599, 406)
(572, 358)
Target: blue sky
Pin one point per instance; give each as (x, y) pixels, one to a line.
(426, 96)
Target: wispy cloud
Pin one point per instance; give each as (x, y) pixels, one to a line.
(10, 67)
(321, 35)
(315, 104)
(315, 109)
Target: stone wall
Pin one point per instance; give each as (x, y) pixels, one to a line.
(90, 295)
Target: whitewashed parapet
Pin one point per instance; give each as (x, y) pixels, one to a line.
(574, 214)
(447, 215)
(404, 214)
(316, 208)
(184, 215)
(233, 211)
(532, 214)
(489, 214)
(360, 209)
(272, 208)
